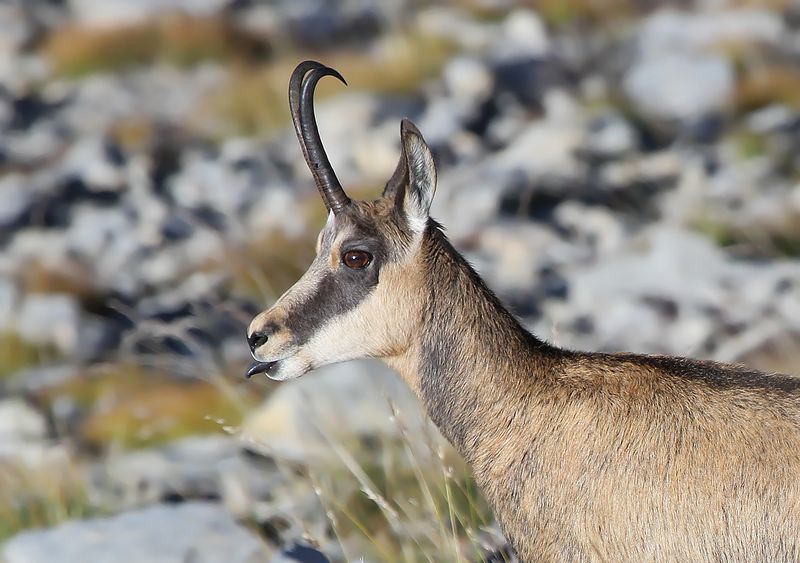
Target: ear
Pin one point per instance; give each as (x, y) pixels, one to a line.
(414, 180)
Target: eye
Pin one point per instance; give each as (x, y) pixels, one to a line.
(356, 259)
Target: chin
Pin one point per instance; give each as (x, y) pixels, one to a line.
(290, 368)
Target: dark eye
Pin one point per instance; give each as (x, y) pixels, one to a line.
(356, 259)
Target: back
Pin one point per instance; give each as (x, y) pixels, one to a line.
(637, 458)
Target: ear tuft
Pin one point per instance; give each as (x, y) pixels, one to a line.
(421, 176)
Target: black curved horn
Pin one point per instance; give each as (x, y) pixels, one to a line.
(301, 103)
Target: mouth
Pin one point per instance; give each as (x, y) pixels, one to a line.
(261, 367)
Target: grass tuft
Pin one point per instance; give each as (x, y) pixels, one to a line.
(406, 499)
(39, 498)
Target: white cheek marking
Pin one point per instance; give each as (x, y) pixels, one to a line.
(376, 328)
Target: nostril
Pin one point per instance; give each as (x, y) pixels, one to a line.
(257, 339)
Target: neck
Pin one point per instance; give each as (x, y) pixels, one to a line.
(474, 365)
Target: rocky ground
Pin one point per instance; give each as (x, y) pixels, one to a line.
(625, 179)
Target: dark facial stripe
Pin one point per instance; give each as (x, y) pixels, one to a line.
(338, 292)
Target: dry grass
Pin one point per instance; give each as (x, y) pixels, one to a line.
(775, 5)
(134, 135)
(174, 38)
(765, 85)
(17, 354)
(39, 498)
(750, 145)
(70, 278)
(558, 13)
(407, 498)
(132, 407)
(264, 268)
(254, 99)
(781, 240)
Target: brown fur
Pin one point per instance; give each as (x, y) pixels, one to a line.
(606, 457)
(583, 456)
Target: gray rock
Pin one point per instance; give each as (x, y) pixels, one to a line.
(668, 31)
(50, 320)
(275, 209)
(522, 35)
(34, 145)
(453, 24)
(20, 421)
(92, 230)
(96, 161)
(346, 121)
(192, 531)
(509, 255)
(38, 378)
(468, 79)
(682, 87)
(554, 141)
(186, 469)
(17, 198)
(24, 439)
(610, 136)
(8, 304)
(770, 119)
(45, 246)
(672, 291)
(198, 183)
(15, 29)
(594, 230)
(677, 74)
(160, 93)
(97, 13)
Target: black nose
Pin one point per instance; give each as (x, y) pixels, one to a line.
(257, 339)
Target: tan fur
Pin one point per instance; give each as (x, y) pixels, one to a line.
(583, 456)
(590, 457)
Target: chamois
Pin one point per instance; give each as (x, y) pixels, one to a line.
(583, 456)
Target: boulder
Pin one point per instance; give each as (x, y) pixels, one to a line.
(50, 320)
(680, 87)
(186, 469)
(192, 531)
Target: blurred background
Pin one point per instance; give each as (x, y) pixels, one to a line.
(624, 173)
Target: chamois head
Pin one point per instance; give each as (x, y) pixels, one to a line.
(361, 295)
